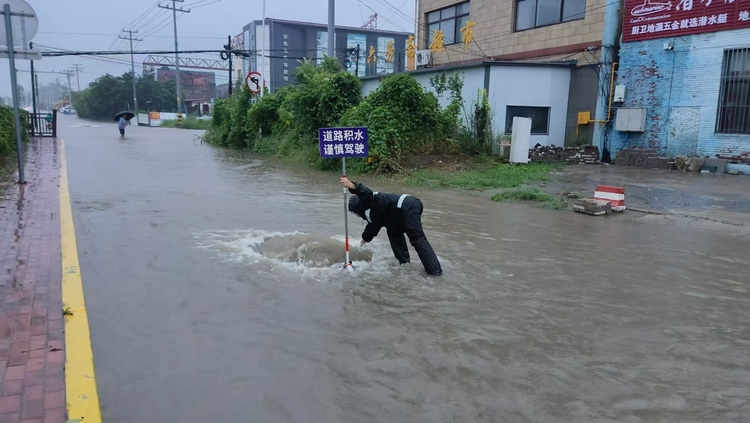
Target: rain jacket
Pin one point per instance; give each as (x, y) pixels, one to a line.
(122, 124)
(379, 209)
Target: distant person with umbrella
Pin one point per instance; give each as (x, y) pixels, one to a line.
(122, 119)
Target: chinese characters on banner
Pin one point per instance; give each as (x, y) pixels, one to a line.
(286, 57)
(343, 142)
(651, 19)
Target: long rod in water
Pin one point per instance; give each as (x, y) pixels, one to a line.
(346, 214)
(14, 88)
(332, 53)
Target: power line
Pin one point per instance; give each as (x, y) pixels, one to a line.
(142, 16)
(93, 34)
(158, 26)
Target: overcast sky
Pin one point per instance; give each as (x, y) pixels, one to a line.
(90, 25)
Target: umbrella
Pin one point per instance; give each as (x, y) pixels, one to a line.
(126, 115)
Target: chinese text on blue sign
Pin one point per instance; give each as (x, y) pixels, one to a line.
(343, 142)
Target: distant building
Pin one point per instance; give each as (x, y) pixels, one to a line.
(287, 43)
(195, 86)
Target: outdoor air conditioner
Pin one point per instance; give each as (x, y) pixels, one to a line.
(424, 58)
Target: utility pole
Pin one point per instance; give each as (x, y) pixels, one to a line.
(70, 90)
(78, 68)
(174, 10)
(228, 48)
(132, 64)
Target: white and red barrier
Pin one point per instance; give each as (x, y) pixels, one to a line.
(614, 195)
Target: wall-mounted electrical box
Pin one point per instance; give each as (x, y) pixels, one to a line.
(619, 95)
(630, 120)
(584, 118)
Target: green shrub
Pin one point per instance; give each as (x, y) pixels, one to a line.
(321, 96)
(8, 131)
(402, 119)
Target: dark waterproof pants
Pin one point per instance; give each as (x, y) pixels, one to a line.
(411, 225)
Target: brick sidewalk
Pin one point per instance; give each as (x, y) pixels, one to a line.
(31, 320)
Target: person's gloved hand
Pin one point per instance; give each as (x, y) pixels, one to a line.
(347, 183)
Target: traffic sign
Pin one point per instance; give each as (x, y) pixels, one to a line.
(23, 22)
(253, 81)
(343, 142)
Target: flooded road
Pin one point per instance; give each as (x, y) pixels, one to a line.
(540, 315)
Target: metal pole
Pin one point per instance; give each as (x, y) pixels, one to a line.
(33, 93)
(14, 84)
(132, 70)
(263, 52)
(36, 83)
(176, 56)
(229, 43)
(70, 91)
(331, 28)
(346, 216)
(332, 53)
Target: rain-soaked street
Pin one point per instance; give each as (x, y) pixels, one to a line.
(540, 315)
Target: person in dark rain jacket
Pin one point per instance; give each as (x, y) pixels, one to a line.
(399, 214)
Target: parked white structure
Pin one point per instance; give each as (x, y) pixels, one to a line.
(535, 90)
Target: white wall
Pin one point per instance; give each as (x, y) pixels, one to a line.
(263, 63)
(473, 81)
(509, 85)
(531, 86)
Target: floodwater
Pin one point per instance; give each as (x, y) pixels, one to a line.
(212, 298)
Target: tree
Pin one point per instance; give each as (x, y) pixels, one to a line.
(109, 95)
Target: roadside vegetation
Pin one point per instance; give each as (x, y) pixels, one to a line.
(8, 131)
(403, 119)
(189, 123)
(555, 202)
(483, 176)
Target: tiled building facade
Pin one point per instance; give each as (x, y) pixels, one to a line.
(529, 30)
(690, 69)
(513, 30)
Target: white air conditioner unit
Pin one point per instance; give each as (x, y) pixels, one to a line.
(424, 58)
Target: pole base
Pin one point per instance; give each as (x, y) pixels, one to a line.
(348, 266)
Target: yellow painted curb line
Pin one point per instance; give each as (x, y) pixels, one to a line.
(80, 381)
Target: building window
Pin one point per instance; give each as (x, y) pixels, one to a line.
(733, 115)
(449, 20)
(536, 13)
(539, 118)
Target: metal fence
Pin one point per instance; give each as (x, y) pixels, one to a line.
(42, 124)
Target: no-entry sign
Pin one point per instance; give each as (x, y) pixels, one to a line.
(253, 81)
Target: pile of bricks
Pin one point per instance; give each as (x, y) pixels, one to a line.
(742, 158)
(587, 154)
(644, 158)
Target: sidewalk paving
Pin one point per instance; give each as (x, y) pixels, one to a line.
(32, 387)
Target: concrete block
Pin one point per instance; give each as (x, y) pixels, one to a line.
(721, 164)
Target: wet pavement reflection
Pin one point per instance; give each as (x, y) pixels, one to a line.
(540, 316)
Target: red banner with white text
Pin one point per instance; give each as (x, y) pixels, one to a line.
(650, 19)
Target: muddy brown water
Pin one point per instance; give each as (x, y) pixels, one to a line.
(540, 316)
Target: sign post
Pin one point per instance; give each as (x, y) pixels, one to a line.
(342, 143)
(13, 36)
(253, 82)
